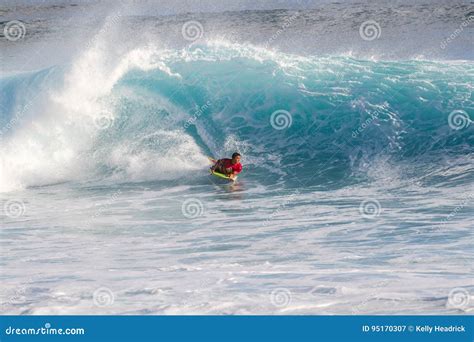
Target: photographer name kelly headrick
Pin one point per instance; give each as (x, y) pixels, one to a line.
(439, 328)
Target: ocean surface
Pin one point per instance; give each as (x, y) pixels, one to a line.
(357, 146)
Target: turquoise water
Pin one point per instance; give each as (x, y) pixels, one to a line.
(334, 116)
(356, 194)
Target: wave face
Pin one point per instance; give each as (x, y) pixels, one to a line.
(155, 114)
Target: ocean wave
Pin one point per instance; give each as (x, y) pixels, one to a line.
(152, 113)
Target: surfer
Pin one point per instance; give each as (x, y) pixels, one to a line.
(228, 167)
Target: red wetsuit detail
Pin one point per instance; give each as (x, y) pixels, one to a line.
(227, 164)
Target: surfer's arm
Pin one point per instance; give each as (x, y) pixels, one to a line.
(234, 172)
(228, 171)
